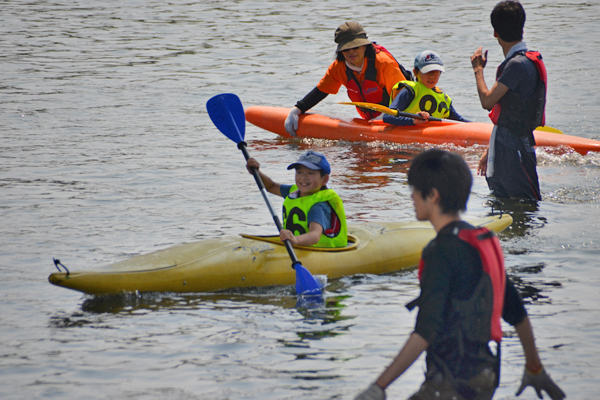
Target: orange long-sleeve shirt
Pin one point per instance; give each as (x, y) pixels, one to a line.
(388, 74)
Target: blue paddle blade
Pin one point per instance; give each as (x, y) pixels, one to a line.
(227, 113)
(311, 303)
(306, 284)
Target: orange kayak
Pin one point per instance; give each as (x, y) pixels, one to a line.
(356, 129)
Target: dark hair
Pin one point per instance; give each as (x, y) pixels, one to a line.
(416, 72)
(508, 20)
(445, 171)
(369, 52)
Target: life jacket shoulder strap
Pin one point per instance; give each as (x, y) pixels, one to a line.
(542, 87)
(488, 246)
(398, 88)
(537, 59)
(407, 74)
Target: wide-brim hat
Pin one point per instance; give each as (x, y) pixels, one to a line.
(312, 160)
(350, 35)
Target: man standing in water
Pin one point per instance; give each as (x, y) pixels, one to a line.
(517, 102)
(464, 293)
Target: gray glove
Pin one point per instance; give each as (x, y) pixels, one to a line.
(374, 392)
(291, 122)
(541, 381)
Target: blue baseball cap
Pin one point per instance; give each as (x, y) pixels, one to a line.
(312, 160)
(428, 61)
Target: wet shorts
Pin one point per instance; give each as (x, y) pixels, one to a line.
(482, 387)
(515, 173)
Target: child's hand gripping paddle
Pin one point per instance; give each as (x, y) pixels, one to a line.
(227, 113)
(395, 113)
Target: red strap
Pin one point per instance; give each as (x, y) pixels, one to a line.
(335, 225)
(490, 252)
(536, 57)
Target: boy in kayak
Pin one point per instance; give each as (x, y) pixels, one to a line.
(464, 292)
(517, 102)
(366, 69)
(313, 215)
(422, 97)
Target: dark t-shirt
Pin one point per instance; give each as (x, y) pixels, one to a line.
(520, 75)
(452, 271)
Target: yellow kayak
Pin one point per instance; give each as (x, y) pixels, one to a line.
(250, 261)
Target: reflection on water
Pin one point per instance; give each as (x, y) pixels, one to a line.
(326, 311)
(532, 290)
(131, 303)
(524, 213)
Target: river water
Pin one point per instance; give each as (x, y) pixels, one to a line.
(107, 152)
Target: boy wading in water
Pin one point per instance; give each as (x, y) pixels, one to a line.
(464, 292)
(517, 101)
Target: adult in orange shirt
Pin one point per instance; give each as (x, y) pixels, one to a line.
(367, 70)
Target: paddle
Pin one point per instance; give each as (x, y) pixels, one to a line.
(227, 113)
(396, 113)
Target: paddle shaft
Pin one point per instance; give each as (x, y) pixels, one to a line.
(390, 111)
(227, 113)
(265, 195)
(417, 116)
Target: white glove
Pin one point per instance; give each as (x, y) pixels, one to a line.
(291, 122)
(541, 381)
(374, 392)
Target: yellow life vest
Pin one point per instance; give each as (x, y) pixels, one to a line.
(433, 101)
(295, 216)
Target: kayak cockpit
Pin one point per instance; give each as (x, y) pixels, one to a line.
(353, 243)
